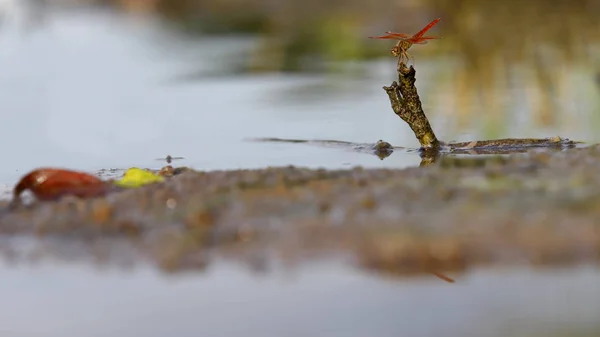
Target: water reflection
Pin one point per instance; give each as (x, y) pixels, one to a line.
(321, 299)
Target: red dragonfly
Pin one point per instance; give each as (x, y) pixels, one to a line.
(405, 41)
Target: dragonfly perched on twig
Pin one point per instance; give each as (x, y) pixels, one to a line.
(406, 41)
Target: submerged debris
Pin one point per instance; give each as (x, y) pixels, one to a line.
(381, 149)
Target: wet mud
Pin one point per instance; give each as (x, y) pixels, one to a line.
(540, 208)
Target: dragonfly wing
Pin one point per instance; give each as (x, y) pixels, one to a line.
(385, 37)
(428, 38)
(391, 35)
(424, 30)
(398, 34)
(423, 40)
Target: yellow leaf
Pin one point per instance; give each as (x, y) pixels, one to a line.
(135, 177)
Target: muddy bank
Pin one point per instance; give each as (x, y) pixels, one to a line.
(539, 208)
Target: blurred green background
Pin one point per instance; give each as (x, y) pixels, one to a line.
(540, 54)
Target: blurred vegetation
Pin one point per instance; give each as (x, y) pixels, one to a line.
(294, 36)
(479, 31)
(544, 53)
(547, 48)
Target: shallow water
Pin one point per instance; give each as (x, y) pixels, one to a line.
(319, 300)
(91, 91)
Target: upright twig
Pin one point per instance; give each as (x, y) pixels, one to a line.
(407, 105)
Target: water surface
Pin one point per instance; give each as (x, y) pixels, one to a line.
(318, 300)
(92, 90)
